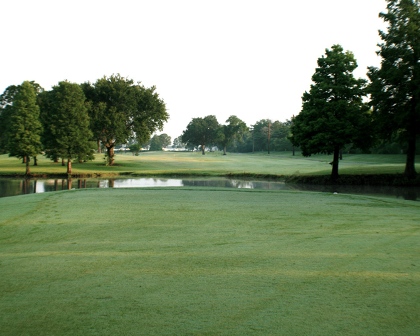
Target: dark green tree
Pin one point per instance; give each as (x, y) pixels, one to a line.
(202, 132)
(395, 86)
(279, 136)
(121, 109)
(231, 131)
(24, 130)
(67, 122)
(333, 113)
(261, 135)
(6, 107)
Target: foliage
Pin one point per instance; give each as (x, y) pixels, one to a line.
(394, 87)
(333, 113)
(6, 107)
(66, 123)
(121, 109)
(24, 130)
(135, 148)
(231, 132)
(178, 142)
(202, 132)
(158, 142)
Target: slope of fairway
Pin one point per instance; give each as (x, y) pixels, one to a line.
(208, 262)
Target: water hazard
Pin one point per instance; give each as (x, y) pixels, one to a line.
(14, 187)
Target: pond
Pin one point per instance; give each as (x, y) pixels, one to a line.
(13, 187)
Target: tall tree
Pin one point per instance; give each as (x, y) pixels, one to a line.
(202, 132)
(24, 131)
(121, 109)
(6, 107)
(395, 86)
(333, 113)
(231, 131)
(67, 120)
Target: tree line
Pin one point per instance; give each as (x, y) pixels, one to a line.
(69, 121)
(235, 136)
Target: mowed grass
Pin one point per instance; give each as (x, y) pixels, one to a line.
(208, 262)
(215, 164)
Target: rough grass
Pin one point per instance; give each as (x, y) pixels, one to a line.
(215, 164)
(208, 262)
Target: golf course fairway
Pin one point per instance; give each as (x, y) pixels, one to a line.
(197, 261)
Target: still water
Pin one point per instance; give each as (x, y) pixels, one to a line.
(14, 187)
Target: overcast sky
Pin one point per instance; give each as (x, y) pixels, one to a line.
(253, 59)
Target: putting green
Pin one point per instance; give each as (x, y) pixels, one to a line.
(208, 262)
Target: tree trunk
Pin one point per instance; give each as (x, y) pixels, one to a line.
(410, 168)
(203, 147)
(99, 146)
(35, 161)
(68, 166)
(334, 173)
(63, 162)
(28, 170)
(224, 150)
(110, 154)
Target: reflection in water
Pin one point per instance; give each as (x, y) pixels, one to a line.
(12, 187)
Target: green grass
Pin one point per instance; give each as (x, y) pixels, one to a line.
(208, 262)
(215, 164)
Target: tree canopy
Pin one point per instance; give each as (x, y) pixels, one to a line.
(395, 86)
(333, 113)
(202, 132)
(66, 122)
(24, 130)
(121, 109)
(158, 142)
(231, 131)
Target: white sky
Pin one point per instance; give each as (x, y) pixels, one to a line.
(249, 58)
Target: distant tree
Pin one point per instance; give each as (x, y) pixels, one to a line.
(67, 122)
(24, 130)
(158, 142)
(178, 142)
(261, 135)
(333, 113)
(232, 131)
(279, 136)
(120, 109)
(394, 87)
(202, 132)
(135, 148)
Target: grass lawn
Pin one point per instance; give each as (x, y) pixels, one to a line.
(215, 164)
(208, 262)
